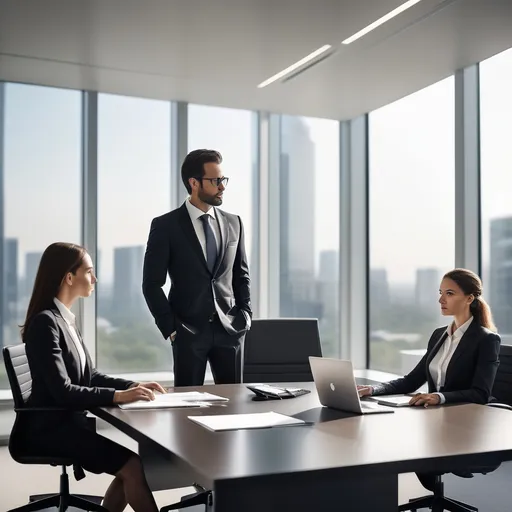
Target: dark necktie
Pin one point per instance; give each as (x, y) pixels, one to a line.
(211, 245)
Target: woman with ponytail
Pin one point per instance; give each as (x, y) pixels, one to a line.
(461, 360)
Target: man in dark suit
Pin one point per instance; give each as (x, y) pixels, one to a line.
(202, 248)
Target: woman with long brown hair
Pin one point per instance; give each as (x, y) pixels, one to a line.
(63, 376)
(461, 360)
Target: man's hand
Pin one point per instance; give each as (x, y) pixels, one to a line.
(425, 399)
(154, 386)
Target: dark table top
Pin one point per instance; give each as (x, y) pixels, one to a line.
(411, 439)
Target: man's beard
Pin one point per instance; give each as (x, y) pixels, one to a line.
(208, 199)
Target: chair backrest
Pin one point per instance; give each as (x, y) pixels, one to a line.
(277, 350)
(502, 390)
(18, 372)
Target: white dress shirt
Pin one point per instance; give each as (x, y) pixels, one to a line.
(441, 360)
(70, 320)
(195, 214)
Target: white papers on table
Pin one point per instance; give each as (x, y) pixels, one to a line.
(196, 396)
(221, 422)
(395, 401)
(392, 400)
(175, 400)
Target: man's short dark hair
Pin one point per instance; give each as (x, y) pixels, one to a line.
(193, 165)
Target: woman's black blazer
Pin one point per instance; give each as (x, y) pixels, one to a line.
(57, 376)
(470, 374)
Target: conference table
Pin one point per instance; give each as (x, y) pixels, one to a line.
(342, 461)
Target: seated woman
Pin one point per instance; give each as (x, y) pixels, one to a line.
(461, 360)
(63, 376)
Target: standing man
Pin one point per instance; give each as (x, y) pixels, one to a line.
(202, 248)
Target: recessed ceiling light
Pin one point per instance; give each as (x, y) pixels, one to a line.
(295, 66)
(380, 21)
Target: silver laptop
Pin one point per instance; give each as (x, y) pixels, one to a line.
(336, 386)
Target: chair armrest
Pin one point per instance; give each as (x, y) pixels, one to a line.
(500, 406)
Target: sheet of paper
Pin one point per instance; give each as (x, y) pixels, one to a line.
(399, 401)
(158, 403)
(245, 421)
(194, 396)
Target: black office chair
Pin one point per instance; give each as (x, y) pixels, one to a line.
(277, 350)
(202, 496)
(20, 380)
(502, 389)
(502, 398)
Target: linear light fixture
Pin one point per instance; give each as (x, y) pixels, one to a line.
(295, 66)
(381, 21)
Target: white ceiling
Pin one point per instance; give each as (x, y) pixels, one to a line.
(217, 51)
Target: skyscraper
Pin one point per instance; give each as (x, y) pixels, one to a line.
(427, 291)
(11, 279)
(379, 298)
(298, 290)
(127, 294)
(297, 194)
(328, 286)
(32, 260)
(379, 287)
(501, 273)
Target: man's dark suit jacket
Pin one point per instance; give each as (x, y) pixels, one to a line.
(173, 248)
(57, 377)
(470, 374)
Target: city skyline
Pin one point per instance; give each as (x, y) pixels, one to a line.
(411, 184)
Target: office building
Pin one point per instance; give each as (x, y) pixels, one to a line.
(427, 291)
(127, 299)
(32, 260)
(501, 273)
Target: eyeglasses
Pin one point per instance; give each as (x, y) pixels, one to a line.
(216, 181)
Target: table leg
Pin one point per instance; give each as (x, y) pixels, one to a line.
(163, 470)
(318, 492)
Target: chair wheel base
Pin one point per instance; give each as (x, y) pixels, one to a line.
(88, 497)
(436, 504)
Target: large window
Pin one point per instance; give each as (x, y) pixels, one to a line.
(41, 200)
(134, 142)
(232, 132)
(412, 222)
(496, 180)
(309, 224)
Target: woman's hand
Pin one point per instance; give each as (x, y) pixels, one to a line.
(425, 399)
(133, 394)
(364, 390)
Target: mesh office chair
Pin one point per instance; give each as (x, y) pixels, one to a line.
(502, 393)
(277, 350)
(502, 389)
(20, 380)
(202, 496)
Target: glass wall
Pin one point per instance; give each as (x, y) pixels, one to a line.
(496, 186)
(232, 133)
(309, 224)
(411, 210)
(412, 222)
(134, 155)
(42, 191)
